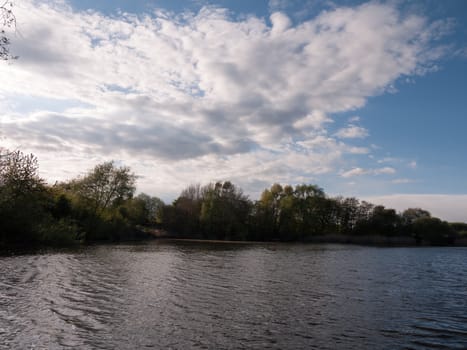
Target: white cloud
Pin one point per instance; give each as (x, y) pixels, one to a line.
(402, 181)
(388, 160)
(352, 132)
(202, 93)
(277, 5)
(316, 120)
(400, 161)
(280, 23)
(385, 170)
(354, 172)
(445, 206)
(360, 171)
(358, 150)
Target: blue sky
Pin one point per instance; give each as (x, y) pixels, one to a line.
(366, 99)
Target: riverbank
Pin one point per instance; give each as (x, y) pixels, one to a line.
(379, 240)
(146, 234)
(375, 240)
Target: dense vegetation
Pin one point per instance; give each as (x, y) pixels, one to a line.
(97, 206)
(300, 213)
(101, 205)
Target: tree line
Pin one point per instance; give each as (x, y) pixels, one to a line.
(285, 213)
(101, 205)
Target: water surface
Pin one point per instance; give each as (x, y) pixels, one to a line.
(184, 295)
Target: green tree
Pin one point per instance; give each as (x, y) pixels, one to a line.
(364, 217)
(348, 214)
(408, 218)
(152, 208)
(287, 226)
(186, 211)
(434, 231)
(142, 210)
(410, 215)
(383, 221)
(460, 228)
(105, 186)
(268, 212)
(18, 174)
(224, 211)
(22, 197)
(101, 202)
(328, 211)
(309, 200)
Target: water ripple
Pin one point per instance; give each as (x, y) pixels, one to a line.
(190, 295)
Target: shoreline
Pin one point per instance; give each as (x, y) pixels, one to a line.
(364, 241)
(372, 241)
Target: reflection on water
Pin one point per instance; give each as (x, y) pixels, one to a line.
(197, 295)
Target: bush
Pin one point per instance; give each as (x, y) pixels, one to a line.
(59, 233)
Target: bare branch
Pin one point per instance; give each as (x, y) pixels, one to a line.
(7, 20)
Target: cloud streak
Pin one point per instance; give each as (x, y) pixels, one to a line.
(360, 171)
(352, 132)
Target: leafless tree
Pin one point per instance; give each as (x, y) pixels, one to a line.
(7, 20)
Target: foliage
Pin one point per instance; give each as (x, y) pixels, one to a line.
(103, 202)
(286, 213)
(98, 206)
(460, 228)
(151, 208)
(381, 221)
(18, 175)
(141, 210)
(434, 231)
(347, 214)
(215, 211)
(224, 211)
(410, 215)
(22, 197)
(295, 214)
(101, 206)
(59, 232)
(183, 216)
(105, 186)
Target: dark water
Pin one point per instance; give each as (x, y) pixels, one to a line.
(227, 296)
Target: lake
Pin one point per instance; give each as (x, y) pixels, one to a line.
(182, 295)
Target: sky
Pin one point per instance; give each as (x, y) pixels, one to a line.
(365, 99)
